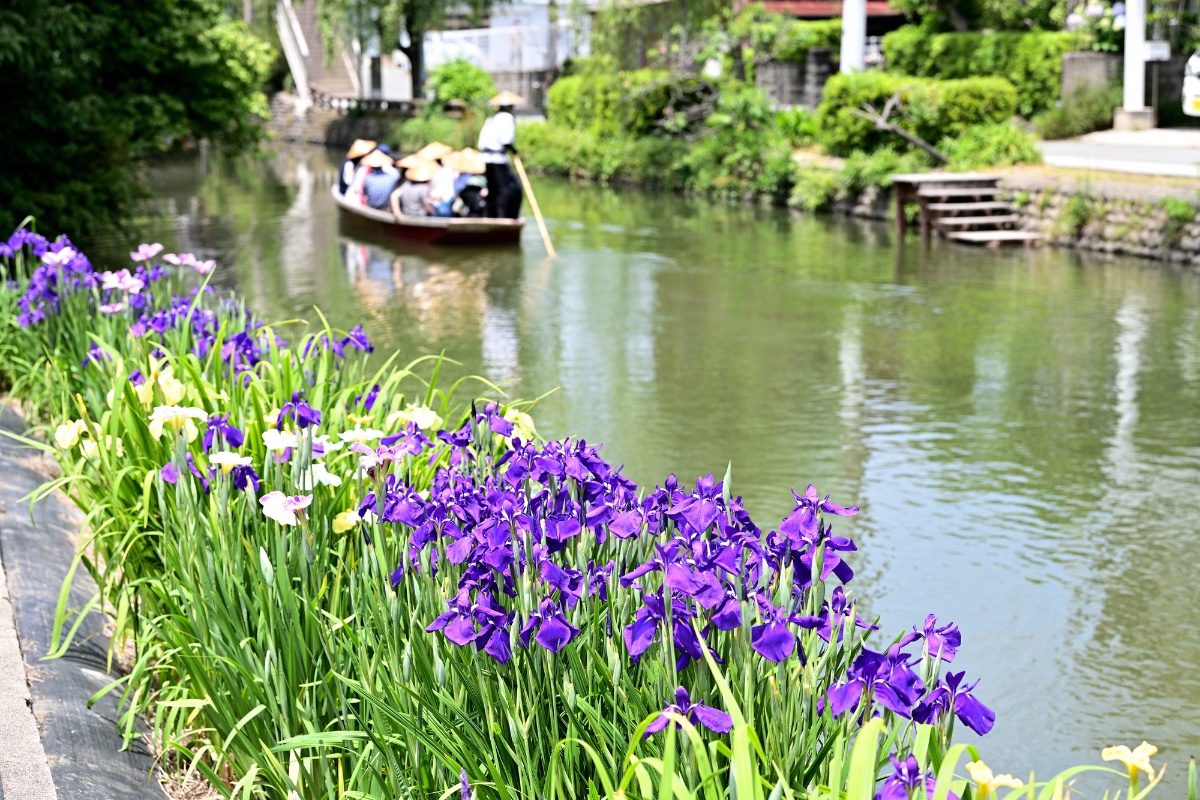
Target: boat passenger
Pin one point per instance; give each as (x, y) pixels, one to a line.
(496, 140)
(441, 192)
(412, 198)
(354, 155)
(380, 179)
(470, 187)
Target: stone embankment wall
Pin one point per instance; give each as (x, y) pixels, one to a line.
(323, 125)
(1150, 221)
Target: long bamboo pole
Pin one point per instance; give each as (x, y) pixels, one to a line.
(533, 203)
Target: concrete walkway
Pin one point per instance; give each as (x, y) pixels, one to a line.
(1161, 151)
(78, 755)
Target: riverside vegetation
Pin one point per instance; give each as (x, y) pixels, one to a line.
(342, 579)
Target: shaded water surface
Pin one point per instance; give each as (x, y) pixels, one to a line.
(1020, 428)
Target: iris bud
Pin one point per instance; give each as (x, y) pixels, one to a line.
(407, 662)
(264, 562)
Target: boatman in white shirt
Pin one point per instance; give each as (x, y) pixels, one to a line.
(496, 142)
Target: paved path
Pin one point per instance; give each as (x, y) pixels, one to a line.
(79, 744)
(1162, 151)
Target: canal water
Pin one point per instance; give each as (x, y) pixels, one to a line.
(1021, 429)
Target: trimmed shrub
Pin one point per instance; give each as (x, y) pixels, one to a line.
(1000, 144)
(413, 134)
(1031, 61)
(797, 37)
(935, 109)
(1087, 109)
(609, 102)
(461, 80)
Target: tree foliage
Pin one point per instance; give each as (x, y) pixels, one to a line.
(461, 80)
(91, 89)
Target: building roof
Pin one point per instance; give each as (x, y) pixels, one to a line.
(826, 8)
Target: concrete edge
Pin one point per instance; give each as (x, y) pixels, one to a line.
(24, 769)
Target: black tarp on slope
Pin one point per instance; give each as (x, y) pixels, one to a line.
(81, 743)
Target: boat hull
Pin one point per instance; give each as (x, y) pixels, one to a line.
(454, 231)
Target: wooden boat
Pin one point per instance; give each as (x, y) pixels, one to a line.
(434, 230)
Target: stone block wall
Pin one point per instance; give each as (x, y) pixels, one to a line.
(791, 83)
(1126, 219)
(323, 125)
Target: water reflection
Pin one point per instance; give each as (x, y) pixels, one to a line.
(1021, 428)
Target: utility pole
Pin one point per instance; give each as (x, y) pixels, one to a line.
(854, 35)
(1133, 114)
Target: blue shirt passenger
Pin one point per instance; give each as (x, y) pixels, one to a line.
(378, 186)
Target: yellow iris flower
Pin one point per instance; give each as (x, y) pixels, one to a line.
(1134, 760)
(345, 521)
(981, 773)
(67, 435)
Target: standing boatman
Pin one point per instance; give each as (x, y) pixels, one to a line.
(496, 142)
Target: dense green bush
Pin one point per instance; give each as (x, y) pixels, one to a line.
(1031, 61)
(934, 109)
(798, 126)
(765, 34)
(740, 151)
(461, 80)
(413, 134)
(632, 103)
(999, 144)
(1087, 109)
(797, 37)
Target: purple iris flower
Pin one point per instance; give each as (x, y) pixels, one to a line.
(952, 693)
(773, 639)
(458, 624)
(906, 777)
(943, 641)
(554, 631)
(698, 714)
(219, 429)
(357, 339)
(97, 354)
(833, 613)
(368, 398)
(136, 377)
(170, 473)
(498, 424)
(699, 510)
(887, 677)
(245, 477)
(465, 787)
(305, 414)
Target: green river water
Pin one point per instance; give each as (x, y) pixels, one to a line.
(1020, 428)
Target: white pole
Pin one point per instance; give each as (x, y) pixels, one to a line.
(1135, 55)
(854, 35)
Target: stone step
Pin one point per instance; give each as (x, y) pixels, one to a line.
(981, 191)
(967, 222)
(995, 238)
(988, 205)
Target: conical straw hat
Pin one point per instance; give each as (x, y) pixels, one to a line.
(410, 160)
(435, 150)
(468, 160)
(506, 98)
(423, 171)
(360, 148)
(376, 159)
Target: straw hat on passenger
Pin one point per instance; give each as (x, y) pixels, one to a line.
(410, 160)
(506, 98)
(360, 148)
(376, 159)
(423, 171)
(434, 150)
(466, 160)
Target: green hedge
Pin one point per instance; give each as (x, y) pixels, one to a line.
(1031, 61)
(797, 37)
(608, 103)
(935, 109)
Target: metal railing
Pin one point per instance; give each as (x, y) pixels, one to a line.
(295, 50)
